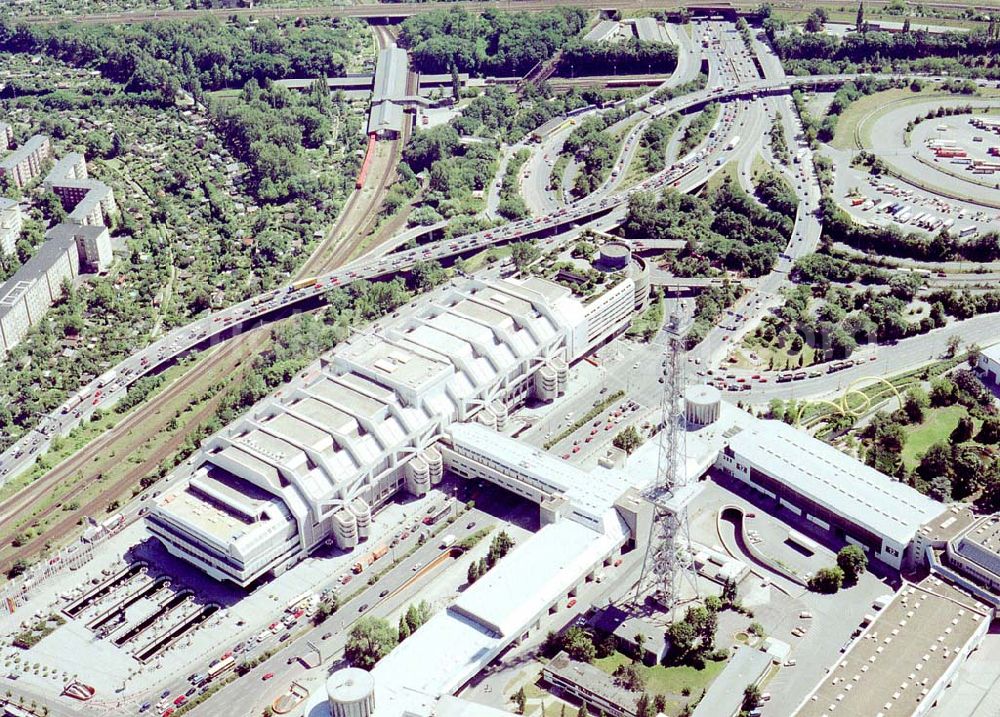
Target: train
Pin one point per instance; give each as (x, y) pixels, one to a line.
(366, 164)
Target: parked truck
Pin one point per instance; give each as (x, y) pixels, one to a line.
(447, 541)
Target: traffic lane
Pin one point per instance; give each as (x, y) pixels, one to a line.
(891, 359)
(273, 634)
(285, 664)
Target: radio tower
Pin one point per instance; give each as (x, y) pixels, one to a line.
(667, 565)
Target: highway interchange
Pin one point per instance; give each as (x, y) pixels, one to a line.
(685, 175)
(557, 223)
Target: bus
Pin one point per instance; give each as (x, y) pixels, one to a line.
(220, 668)
(437, 516)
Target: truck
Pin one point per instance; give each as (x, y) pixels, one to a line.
(447, 541)
(105, 378)
(368, 559)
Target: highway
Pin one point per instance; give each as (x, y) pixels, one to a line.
(104, 391)
(402, 10)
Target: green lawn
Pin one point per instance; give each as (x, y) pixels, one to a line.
(667, 680)
(936, 427)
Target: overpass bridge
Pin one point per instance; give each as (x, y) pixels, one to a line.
(220, 325)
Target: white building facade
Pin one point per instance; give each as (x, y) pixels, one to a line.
(311, 465)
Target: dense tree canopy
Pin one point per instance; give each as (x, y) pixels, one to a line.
(491, 43)
(158, 58)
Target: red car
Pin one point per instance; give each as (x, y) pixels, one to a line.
(576, 449)
(167, 712)
(571, 603)
(266, 676)
(181, 699)
(565, 456)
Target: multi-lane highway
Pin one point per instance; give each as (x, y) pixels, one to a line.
(402, 10)
(104, 391)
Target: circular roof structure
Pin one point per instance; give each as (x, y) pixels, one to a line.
(615, 250)
(350, 685)
(702, 394)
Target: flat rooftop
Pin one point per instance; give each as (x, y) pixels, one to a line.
(945, 527)
(992, 352)
(901, 655)
(48, 254)
(835, 480)
(536, 574)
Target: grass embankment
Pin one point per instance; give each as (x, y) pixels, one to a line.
(667, 680)
(936, 427)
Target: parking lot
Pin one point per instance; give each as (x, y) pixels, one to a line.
(816, 627)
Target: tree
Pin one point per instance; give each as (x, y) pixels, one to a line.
(816, 20)
(628, 440)
(521, 700)
(582, 711)
(963, 431)
(859, 21)
(972, 357)
(579, 645)
(729, 592)
(19, 567)
(935, 462)
(682, 637)
(967, 470)
(629, 677)
(827, 580)
(989, 432)
(751, 698)
(403, 631)
(522, 253)
(853, 561)
(473, 573)
(642, 706)
(371, 639)
(953, 343)
(915, 404)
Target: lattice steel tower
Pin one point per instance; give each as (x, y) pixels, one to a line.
(667, 565)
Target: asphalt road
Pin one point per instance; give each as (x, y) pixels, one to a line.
(249, 694)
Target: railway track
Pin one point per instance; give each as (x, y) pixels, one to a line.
(361, 209)
(228, 356)
(403, 10)
(357, 217)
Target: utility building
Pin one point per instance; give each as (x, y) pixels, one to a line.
(831, 490)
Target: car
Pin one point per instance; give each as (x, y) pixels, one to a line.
(326, 636)
(470, 525)
(167, 712)
(165, 694)
(417, 567)
(383, 593)
(363, 607)
(266, 676)
(565, 456)
(285, 637)
(618, 562)
(571, 603)
(179, 700)
(576, 449)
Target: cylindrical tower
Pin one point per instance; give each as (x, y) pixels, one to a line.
(615, 255)
(701, 404)
(351, 693)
